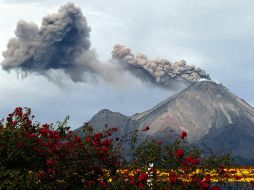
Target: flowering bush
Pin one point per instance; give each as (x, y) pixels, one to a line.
(51, 157)
(43, 156)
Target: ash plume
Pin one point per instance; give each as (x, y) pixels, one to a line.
(62, 42)
(158, 70)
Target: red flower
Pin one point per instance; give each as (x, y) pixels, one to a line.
(104, 149)
(221, 170)
(50, 162)
(115, 129)
(44, 131)
(203, 184)
(68, 136)
(88, 139)
(237, 177)
(18, 111)
(90, 182)
(40, 174)
(32, 135)
(14, 122)
(51, 170)
(45, 126)
(98, 135)
(28, 122)
(10, 115)
(179, 153)
(106, 142)
(95, 143)
(190, 160)
(76, 138)
(146, 128)
(183, 134)
(142, 177)
(207, 178)
(103, 183)
(141, 186)
(215, 188)
(132, 182)
(173, 177)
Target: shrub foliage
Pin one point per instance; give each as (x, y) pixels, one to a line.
(47, 156)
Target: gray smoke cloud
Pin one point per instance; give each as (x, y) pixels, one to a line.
(62, 42)
(158, 70)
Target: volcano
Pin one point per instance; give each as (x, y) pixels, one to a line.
(212, 116)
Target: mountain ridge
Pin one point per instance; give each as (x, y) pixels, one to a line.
(207, 111)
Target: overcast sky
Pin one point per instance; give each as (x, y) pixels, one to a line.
(216, 35)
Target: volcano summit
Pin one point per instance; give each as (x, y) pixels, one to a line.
(211, 114)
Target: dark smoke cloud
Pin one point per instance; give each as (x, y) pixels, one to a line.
(62, 42)
(57, 44)
(158, 70)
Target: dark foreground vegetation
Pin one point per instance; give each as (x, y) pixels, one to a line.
(47, 156)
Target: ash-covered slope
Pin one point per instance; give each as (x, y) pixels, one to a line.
(198, 108)
(209, 112)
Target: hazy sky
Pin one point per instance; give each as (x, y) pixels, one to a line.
(216, 35)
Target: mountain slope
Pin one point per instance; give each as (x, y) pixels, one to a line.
(209, 112)
(198, 108)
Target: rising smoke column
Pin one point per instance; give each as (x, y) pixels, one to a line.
(62, 42)
(158, 70)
